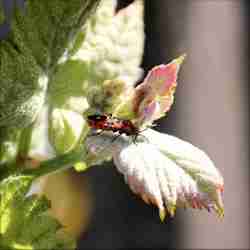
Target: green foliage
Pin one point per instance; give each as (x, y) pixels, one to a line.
(101, 52)
(47, 27)
(8, 148)
(22, 86)
(37, 40)
(53, 72)
(65, 129)
(25, 222)
(68, 84)
(111, 41)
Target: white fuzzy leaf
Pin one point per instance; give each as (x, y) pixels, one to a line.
(193, 160)
(111, 40)
(189, 179)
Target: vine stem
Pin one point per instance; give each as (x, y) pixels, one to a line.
(59, 163)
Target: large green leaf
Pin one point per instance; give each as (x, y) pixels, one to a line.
(39, 36)
(47, 27)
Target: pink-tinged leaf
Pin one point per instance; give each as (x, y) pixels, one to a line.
(163, 170)
(161, 78)
(157, 90)
(169, 178)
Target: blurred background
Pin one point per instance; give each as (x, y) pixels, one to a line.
(211, 111)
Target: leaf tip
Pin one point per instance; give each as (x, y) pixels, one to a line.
(162, 214)
(171, 210)
(180, 59)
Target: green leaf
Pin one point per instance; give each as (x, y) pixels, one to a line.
(47, 27)
(25, 222)
(8, 144)
(22, 86)
(68, 103)
(65, 129)
(39, 37)
(68, 86)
